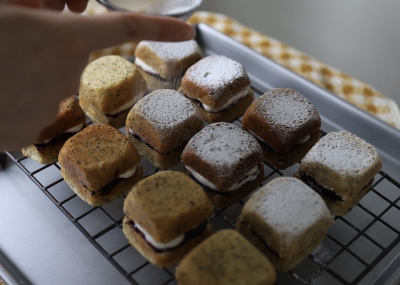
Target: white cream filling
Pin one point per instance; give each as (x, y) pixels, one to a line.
(145, 67)
(129, 173)
(228, 103)
(75, 129)
(173, 243)
(260, 139)
(128, 104)
(252, 174)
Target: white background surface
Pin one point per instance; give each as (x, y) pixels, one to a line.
(359, 37)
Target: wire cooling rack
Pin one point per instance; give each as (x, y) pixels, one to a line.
(354, 245)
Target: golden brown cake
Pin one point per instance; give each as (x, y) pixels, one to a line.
(285, 219)
(341, 167)
(166, 216)
(285, 124)
(161, 124)
(109, 87)
(226, 161)
(225, 258)
(163, 64)
(220, 88)
(100, 164)
(70, 120)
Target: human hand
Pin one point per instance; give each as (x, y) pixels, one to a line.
(77, 6)
(43, 54)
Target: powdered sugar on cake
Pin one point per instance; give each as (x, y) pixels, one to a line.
(215, 72)
(170, 52)
(166, 109)
(224, 146)
(344, 153)
(285, 110)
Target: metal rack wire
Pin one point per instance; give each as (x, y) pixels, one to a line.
(359, 240)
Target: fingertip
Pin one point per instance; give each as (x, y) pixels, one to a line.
(77, 6)
(186, 33)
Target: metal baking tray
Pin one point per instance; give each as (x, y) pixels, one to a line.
(361, 248)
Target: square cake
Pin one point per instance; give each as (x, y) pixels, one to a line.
(286, 125)
(341, 167)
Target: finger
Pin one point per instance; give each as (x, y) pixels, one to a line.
(77, 6)
(112, 29)
(57, 5)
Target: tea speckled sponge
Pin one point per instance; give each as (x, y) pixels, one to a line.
(225, 258)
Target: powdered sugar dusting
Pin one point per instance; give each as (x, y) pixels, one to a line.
(172, 51)
(166, 109)
(344, 153)
(215, 72)
(291, 208)
(224, 146)
(285, 108)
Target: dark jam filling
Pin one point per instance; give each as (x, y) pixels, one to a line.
(261, 239)
(188, 235)
(146, 143)
(318, 188)
(106, 189)
(62, 137)
(223, 193)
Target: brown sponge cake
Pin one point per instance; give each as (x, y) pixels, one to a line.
(226, 161)
(225, 258)
(161, 124)
(163, 64)
(219, 86)
(70, 120)
(341, 167)
(166, 216)
(100, 164)
(285, 123)
(285, 219)
(109, 87)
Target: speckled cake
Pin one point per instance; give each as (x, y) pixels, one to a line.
(163, 64)
(285, 219)
(226, 161)
(225, 258)
(220, 88)
(69, 121)
(109, 87)
(341, 167)
(166, 216)
(161, 124)
(286, 125)
(100, 164)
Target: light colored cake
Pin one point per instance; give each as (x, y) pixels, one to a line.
(285, 123)
(285, 219)
(163, 64)
(109, 87)
(100, 164)
(225, 258)
(341, 167)
(161, 124)
(220, 88)
(226, 161)
(166, 216)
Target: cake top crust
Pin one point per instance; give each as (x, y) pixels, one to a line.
(167, 204)
(282, 117)
(97, 155)
(171, 51)
(225, 258)
(344, 153)
(227, 152)
(214, 80)
(166, 109)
